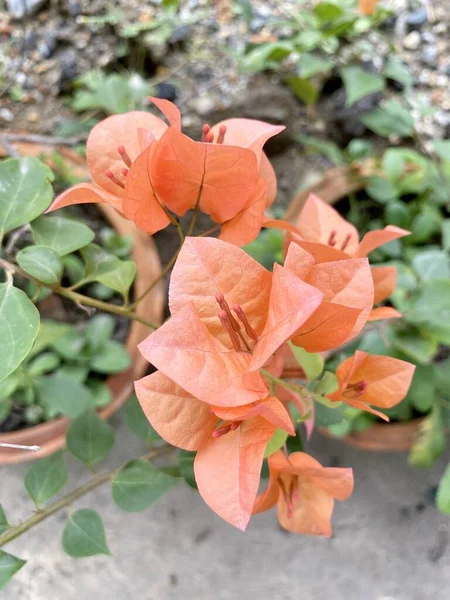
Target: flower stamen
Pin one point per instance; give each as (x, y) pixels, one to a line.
(243, 319)
(124, 155)
(114, 179)
(221, 136)
(332, 238)
(348, 237)
(354, 390)
(220, 299)
(226, 324)
(207, 136)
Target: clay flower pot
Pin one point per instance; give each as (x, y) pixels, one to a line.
(336, 184)
(51, 436)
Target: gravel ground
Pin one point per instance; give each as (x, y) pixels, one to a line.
(389, 543)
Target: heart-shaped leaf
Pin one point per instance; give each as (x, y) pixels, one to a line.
(41, 262)
(89, 438)
(84, 534)
(61, 234)
(62, 395)
(19, 325)
(138, 485)
(25, 192)
(45, 478)
(360, 83)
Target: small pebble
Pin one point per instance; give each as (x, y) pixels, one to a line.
(412, 40)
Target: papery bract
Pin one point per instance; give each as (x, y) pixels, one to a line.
(304, 492)
(366, 380)
(128, 131)
(347, 287)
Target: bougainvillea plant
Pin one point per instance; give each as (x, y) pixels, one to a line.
(237, 369)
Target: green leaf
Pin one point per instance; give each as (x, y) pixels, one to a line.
(186, 465)
(417, 347)
(101, 393)
(359, 83)
(137, 421)
(397, 70)
(61, 234)
(138, 485)
(112, 357)
(84, 534)
(423, 227)
(62, 395)
(45, 478)
(311, 363)
(443, 493)
(46, 362)
(303, 89)
(430, 443)
(392, 118)
(431, 309)
(397, 213)
(98, 262)
(49, 331)
(442, 149)
(121, 278)
(311, 64)
(19, 325)
(100, 328)
(25, 192)
(42, 263)
(327, 385)
(74, 268)
(431, 264)
(89, 438)
(381, 189)
(265, 56)
(318, 146)
(276, 442)
(267, 249)
(446, 234)
(324, 416)
(9, 565)
(70, 345)
(328, 11)
(421, 393)
(4, 525)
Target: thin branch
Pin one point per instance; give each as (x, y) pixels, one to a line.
(45, 140)
(13, 532)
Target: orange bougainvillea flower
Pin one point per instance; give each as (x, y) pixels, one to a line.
(229, 316)
(111, 148)
(230, 442)
(367, 7)
(323, 232)
(384, 281)
(347, 288)
(145, 169)
(304, 492)
(366, 379)
(225, 175)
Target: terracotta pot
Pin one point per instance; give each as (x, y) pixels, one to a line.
(335, 185)
(382, 437)
(51, 436)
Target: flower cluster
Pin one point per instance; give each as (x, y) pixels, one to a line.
(218, 388)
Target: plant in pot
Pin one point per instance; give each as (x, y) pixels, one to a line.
(218, 406)
(408, 188)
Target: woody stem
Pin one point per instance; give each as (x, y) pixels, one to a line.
(79, 298)
(14, 532)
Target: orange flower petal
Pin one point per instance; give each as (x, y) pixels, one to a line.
(184, 350)
(169, 110)
(227, 470)
(384, 312)
(267, 173)
(219, 178)
(318, 221)
(206, 267)
(384, 282)
(388, 380)
(176, 415)
(378, 237)
(140, 203)
(322, 253)
(329, 327)
(269, 497)
(292, 302)
(248, 133)
(246, 225)
(108, 135)
(86, 193)
(270, 409)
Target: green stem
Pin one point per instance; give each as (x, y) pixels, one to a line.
(14, 532)
(295, 388)
(79, 298)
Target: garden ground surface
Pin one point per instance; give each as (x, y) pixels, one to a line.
(389, 543)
